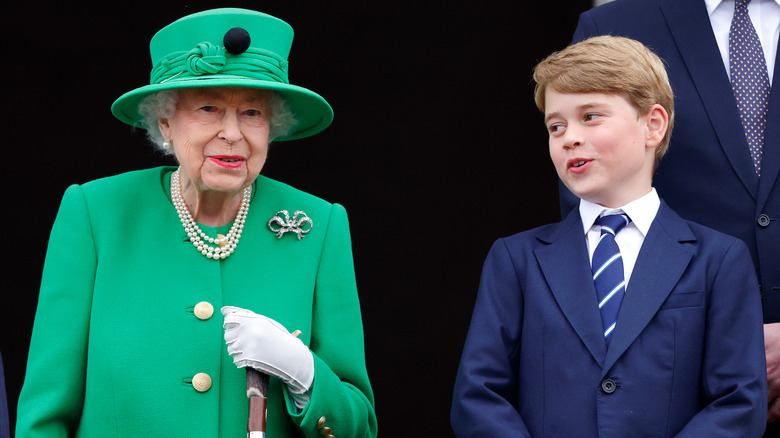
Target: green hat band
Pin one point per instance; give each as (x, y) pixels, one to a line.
(208, 59)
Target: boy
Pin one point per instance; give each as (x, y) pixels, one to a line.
(654, 329)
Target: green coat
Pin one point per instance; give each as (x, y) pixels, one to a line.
(116, 341)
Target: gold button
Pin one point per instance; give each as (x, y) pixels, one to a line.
(201, 382)
(324, 431)
(321, 423)
(204, 310)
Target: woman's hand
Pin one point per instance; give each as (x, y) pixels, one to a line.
(261, 343)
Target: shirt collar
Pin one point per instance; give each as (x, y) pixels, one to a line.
(713, 4)
(642, 211)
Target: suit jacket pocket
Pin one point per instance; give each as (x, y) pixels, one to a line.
(677, 300)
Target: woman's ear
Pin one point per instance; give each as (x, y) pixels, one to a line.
(165, 128)
(657, 123)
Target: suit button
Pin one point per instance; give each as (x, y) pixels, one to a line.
(201, 382)
(608, 386)
(763, 221)
(321, 423)
(204, 310)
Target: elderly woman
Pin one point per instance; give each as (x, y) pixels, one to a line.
(127, 341)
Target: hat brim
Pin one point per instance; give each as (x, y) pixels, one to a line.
(312, 112)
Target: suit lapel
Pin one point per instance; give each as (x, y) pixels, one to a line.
(692, 32)
(659, 266)
(770, 162)
(565, 266)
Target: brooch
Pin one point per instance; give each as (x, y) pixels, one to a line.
(295, 225)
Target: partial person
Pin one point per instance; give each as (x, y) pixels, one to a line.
(5, 422)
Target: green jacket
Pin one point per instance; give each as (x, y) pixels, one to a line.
(116, 340)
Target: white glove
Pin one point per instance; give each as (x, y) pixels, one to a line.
(265, 345)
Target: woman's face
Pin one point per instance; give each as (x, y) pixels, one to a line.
(219, 137)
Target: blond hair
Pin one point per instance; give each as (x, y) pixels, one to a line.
(609, 65)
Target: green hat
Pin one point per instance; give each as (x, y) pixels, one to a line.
(227, 48)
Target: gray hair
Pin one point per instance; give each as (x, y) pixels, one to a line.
(163, 104)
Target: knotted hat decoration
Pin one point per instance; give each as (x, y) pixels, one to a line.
(208, 59)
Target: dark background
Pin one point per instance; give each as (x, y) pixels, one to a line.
(436, 150)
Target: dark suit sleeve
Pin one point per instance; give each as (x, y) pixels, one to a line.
(733, 382)
(586, 28)
(485, 396)
(4, 421)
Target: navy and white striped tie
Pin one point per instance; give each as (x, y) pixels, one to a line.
(607, 267)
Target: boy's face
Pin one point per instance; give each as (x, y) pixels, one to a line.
(601, 150)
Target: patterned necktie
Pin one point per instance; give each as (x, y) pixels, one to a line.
(749, 79)
(607, 267)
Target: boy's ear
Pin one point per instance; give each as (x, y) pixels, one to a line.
(657, 124)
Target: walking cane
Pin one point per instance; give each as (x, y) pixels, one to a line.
(256, 391)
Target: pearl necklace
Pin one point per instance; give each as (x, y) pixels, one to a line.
(225, 245)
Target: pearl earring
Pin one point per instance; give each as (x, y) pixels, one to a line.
(167, 144)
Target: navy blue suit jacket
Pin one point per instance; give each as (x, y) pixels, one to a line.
(686, 357)
(707, 176)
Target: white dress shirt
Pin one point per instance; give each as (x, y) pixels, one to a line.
(765, 15)
(642, 213)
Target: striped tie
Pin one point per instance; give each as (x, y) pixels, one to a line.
(607, 267)
(749, 79)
